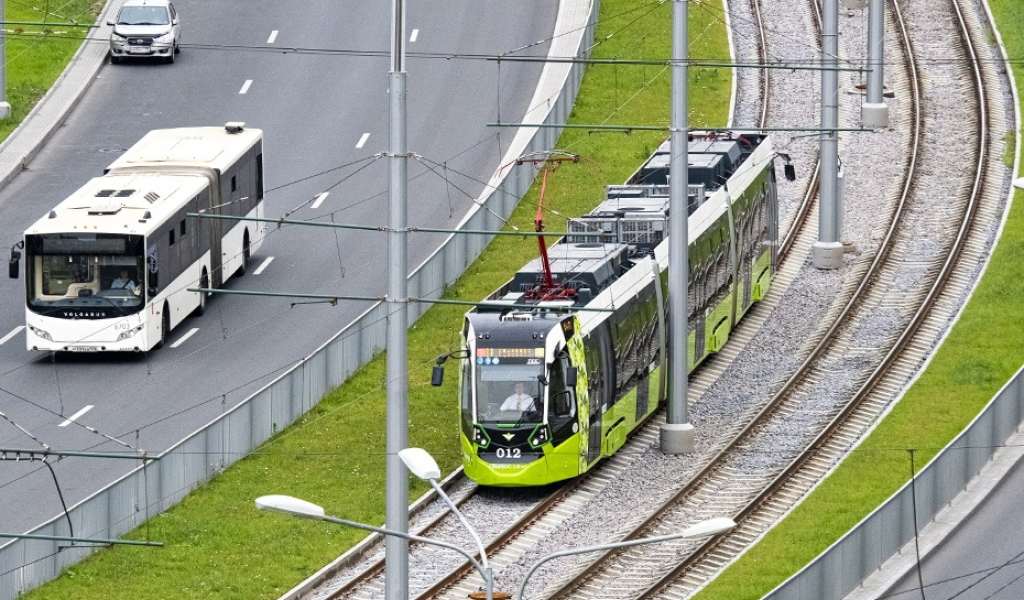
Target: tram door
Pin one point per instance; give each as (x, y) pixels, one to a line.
(601, 375)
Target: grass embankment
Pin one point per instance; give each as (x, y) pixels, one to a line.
(39, 44)
(984, 349)
(218, 545)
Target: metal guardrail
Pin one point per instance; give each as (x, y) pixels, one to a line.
(145, 492)
(844, 565)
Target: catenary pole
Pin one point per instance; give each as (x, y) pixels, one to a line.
(677, 434)
(396, 549)
(5, 107)
(874, 112)
(827, 251)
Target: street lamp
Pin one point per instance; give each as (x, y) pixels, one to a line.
(307, 510)
(421, 464)
(708, 528)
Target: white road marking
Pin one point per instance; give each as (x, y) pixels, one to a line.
(263, 266)
(182, 339)
(75, 416)
(362, 140)
(273, 36)
(319, 199)
(245, 86)
(8, 337)
(415, 34)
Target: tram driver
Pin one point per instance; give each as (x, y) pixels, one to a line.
(519, 400)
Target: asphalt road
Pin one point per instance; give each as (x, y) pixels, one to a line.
(324, 113)
(982, 558)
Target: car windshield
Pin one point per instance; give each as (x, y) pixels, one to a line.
(143, 15)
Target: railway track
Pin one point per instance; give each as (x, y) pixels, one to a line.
(751, 477)
(738, 483)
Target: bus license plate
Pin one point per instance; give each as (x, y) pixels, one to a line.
(82, 348)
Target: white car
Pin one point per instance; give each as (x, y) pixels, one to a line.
(145, 28)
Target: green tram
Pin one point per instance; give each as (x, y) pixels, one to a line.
(548, 385)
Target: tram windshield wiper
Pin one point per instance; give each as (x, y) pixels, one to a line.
(530, 412)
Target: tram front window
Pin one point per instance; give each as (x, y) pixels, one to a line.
(511, 393)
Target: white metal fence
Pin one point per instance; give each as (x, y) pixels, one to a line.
(126, 503)
(841, 568)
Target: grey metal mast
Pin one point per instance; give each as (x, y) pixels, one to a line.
(874, 112)
(396, 550)
(5, 107)
(677, 434)
(827, 252)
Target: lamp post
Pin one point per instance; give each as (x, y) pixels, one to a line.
(421, 464)
(708, 528)
(307, 510)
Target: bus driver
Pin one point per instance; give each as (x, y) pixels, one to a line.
(123, 282)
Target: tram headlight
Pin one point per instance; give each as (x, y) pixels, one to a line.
(480, 437)
(540, 436)
(130, 333)
(40, 333)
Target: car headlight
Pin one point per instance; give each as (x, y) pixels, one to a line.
(116, 38)
(41, 333)
(130, 333)
(166, 38)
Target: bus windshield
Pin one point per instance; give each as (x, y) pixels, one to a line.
(509, 393)
(98, 275)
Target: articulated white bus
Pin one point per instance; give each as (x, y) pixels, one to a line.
(108, 269)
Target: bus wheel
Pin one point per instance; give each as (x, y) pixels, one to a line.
(245, 255)
(204, 282)
(165, 327)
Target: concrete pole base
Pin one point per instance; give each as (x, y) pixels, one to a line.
(874, 116)
(678, 438)
(5, 110)
(827, 255)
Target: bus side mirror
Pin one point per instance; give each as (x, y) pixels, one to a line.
(12, 267)
(571, 376)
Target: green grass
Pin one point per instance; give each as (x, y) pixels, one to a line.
(38, 53)
(218, 545)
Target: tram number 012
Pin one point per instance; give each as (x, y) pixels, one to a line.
(509, 453)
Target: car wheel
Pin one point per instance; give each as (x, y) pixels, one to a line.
(177, 49)
(115, 60)
(170, 58)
